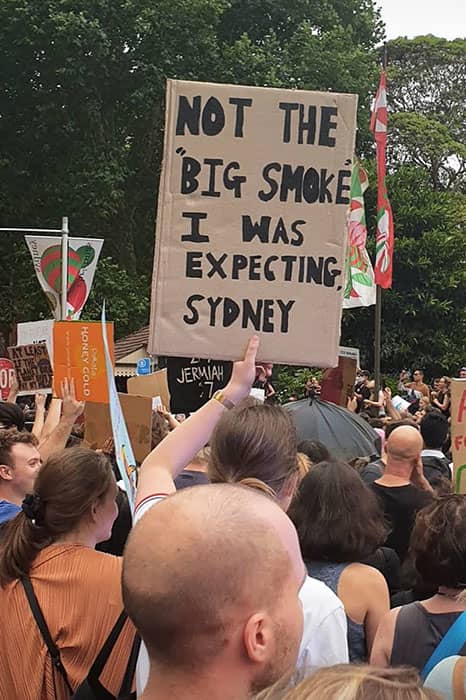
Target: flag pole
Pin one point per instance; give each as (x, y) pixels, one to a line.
(377, 340)
(64, 267)
(378, 305)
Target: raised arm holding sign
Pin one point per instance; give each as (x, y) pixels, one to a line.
(170, 457)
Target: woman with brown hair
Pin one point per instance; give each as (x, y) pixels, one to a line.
(354, 682)
(410, 634)
(339, 524)
(50, 544)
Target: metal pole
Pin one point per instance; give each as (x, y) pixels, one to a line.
(378, 304)
(64, 267)
(378, 341)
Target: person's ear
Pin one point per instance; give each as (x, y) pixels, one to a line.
(6, 472)
(258, 638)
(94, 511)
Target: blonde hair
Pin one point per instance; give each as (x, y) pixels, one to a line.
(352, 682)
(304, 464)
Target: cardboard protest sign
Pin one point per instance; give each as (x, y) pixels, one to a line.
(79, 354)
(458, 433)
(97, 424)
(338, 382)
(124, 454)
(352, 353)
(154, 384)
(37, 332)
(32, 367)
(137, 412)
(193, 381)
(251, 226)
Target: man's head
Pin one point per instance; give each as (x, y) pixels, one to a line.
(19, 464)
(363, 378)
(463, 373)
(434, 430)
(418, 376)
(403, 449)
(11, 416)
(210, 579)
(264, 371)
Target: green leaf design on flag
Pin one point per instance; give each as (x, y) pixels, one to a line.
(361, 278)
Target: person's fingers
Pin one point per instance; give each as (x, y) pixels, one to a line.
(251, 350)
(72, 388)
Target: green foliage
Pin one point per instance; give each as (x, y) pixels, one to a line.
(424, 315)
(427, 88)
(291, 381)
(126, 298)
(81, 127)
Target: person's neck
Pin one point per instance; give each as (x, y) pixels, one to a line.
(81, 536)
(166, 683)
(7, 494)
(394, 474)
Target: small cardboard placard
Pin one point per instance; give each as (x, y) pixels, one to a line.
(137, 412)
(251, 224)
(192, 381)
(338, 382)
(79, 355)
(458, 433)
(33, 369)
(154, 384)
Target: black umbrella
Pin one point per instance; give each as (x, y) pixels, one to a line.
(344, 434)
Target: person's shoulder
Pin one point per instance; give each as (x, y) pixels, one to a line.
(8, 511)
(420, 496)
(365, 576)
(318, 596)
(99, 568)
(147, 503)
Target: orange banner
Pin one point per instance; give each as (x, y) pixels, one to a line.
(79, 355)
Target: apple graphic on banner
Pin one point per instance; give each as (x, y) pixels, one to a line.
(77, 294)
(78, 260)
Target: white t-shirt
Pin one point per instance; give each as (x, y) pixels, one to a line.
(324, 641)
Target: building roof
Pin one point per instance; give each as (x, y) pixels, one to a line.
(131, 343)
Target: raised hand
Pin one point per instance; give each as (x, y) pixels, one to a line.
(244, 373)
(39, 400)
(71, 407)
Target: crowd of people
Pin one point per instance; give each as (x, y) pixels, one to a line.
(249, 565)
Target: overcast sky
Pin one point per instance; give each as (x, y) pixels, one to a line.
(445, 18)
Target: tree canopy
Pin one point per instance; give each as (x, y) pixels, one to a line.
(81, 126)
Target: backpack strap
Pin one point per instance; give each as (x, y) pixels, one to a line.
(44, 630)
(449, 645)
(127, 683)
(93, 678)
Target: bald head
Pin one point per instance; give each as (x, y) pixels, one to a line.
(404, 444)
(202, 561)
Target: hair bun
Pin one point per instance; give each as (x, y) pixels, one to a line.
(31, 506)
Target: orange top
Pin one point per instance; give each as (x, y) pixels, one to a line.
(79, 591)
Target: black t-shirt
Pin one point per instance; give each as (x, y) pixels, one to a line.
(400, 505)
(361, 392)
(189, 478)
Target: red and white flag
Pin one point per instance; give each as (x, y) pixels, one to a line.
(384, 239)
